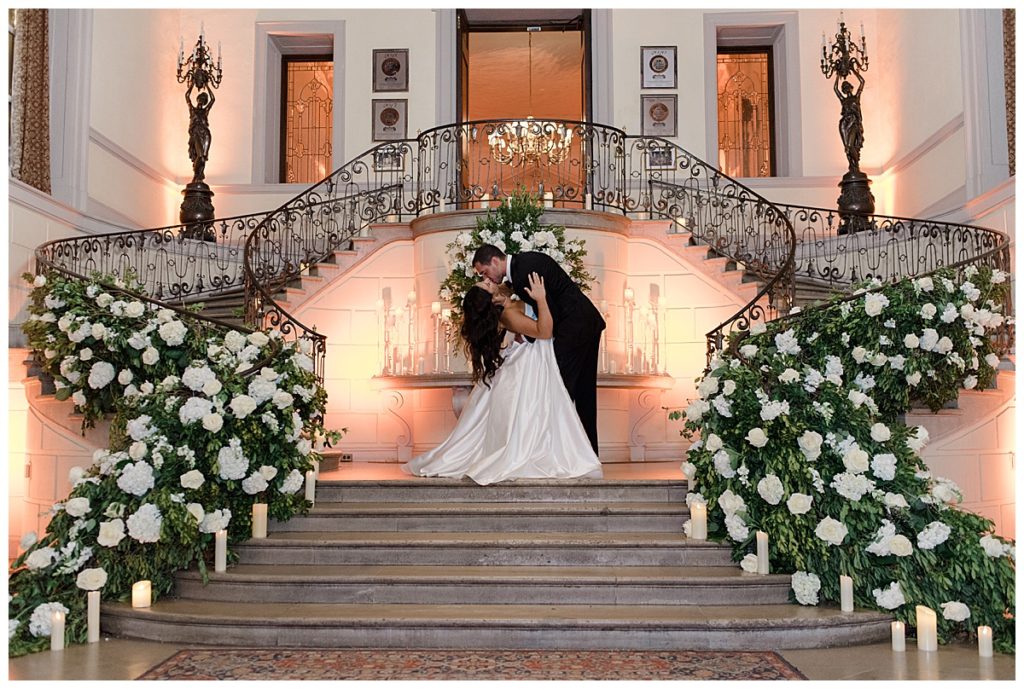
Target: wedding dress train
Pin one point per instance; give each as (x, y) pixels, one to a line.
(523, 426)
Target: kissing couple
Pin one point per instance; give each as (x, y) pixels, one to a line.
(520, 420)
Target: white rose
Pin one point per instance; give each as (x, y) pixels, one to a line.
(890, 598)
(748, 351)
(799, 503)
(137, 450)
(914, 378)
(111, 533)
(91, 579)
(40, 281)
(933, 535)
(150, 356)
(215, 521)
(790, 375)
(810, 444)
(78, 397)
(918, 440)
(770, 489)
(911, 341)
(880, 432)
(900, 545)
(213, 422)
(856, 460)
(192, 479)
(970, 382)
(242, 406)
(28, 540)
(40, 559)
(730, 502)
(134, 309)
(77, 507)
(993, 547)
(874, 303)
(689, 470)
(831, 531)
(749, 563)
(268, 472)
(757, 437)
(196, 510)
(894, 500)
(714, 443)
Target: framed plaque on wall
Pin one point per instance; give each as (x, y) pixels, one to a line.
(658, 115)
(391, 69)
(390, 119)
(658, 67)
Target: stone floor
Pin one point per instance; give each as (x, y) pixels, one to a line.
(125, 659)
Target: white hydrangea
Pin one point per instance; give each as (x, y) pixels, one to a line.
(737, 528)
(40, 624)
(787, 343)
(722, 406)
(194, 409)
(173, 332)
(41, 558)
(136, 478)
(77, 507)
(231, 461)
(883, 466)
(790, 375)
(215, 521)
(799, 503)
(772, 409)
(696, 409)
(891, 597)
(689, 470)
(196, 377)
(914, 378)
(145, 523)
(770, 489)
(255, 483)
(261, 390)
(852, 486)
(993, 547)
(242, 406)
(955, 611)
(805, 587)
(728, 387)
(831, 531)
(708, 387)
(723, 464)
(292, 482)
(933, 535)
(945, 491)
(917, 440)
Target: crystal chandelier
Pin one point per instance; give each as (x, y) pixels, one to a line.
(530, 142)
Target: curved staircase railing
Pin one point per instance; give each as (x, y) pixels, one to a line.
(784, 248)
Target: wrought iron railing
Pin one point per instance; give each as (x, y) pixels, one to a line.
(460, 166)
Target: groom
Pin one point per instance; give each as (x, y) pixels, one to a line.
(578, 323)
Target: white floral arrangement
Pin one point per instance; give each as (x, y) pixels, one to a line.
(204, 424)
(514, 227)
(800, 437)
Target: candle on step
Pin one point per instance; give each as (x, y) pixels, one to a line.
(762, 552)
(698, 521)
(549, 199)
(93, 616)
(57, 631)
(899, 636)
(485, 201)
(220, 551)
(440, 205)
(927, 632)
(845, 593)
(259, 520)
(142, 594)
(985, 641)
(311, 486)
(588, 201)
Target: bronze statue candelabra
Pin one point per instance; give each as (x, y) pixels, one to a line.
(845, 59)
(202, 76)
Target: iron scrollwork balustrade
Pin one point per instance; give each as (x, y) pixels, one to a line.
(451, 167)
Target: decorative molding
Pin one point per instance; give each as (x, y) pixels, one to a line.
(70, 38)
(914, 155)
(984, 90)
(129, 159)
(31, 198)
(991, 201)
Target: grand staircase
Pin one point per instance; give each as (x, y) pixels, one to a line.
(440, 563)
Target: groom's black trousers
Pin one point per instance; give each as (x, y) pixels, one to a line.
(577, 362)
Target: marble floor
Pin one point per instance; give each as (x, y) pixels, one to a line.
(125, 659)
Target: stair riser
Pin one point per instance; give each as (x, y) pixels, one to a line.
(487, 555)
(498, 593)
(327, 492)
(390, 634)
(492, 523)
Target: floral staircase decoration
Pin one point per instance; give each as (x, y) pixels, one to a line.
(204, 424)
(801, 437)
(514, 227)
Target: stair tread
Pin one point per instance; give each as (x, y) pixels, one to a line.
(509, 508)
(489, 615)
(495, 574)
(506, 539)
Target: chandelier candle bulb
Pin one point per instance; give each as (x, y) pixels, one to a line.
(985, 641)
(259, 520)
(311, 486)
(142, 594)
(845, 593)
(93, 617)
(927, 632)
(57, 631)
(762, 552)
(698, 521)
(899, 636)
(220, 551)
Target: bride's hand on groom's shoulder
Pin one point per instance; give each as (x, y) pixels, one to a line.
(536, 287)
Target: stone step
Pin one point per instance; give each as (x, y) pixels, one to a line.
(524, 490)
(340, 625)
(489, 516)
(562, 549)
(507, 585)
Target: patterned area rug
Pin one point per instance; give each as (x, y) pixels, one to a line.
(328, 664)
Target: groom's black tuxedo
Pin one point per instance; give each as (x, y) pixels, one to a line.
(577, 332)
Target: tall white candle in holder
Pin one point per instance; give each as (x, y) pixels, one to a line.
(485, 201)
(985, 641)
(93, 616)
(927, 631)
(220, 551)
(762, 552)
(311, 486)
(440, 205)
(899, 636)
(259, 520)
(698, 521)
(845, 593)
(549, 199)
(588, 201)
(142, 594)
(57, 631)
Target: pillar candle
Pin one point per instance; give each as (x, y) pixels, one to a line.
(899, 636)
(985, 641)
(142, 594)
(435, 307)
(762, 552)
(316, 468)
(613, 367)
(220, 551)
(698, 521)
(440, 205)
(485, 201)
(392, 218)
(93, 616)
(310, 486)
(421, 366)
(549, 199)
(927, 633)
(845, 593)
(588, 201)
(259, 520)
(57, 631)
(629, 294)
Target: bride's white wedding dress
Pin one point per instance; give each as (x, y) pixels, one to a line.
(523, 426)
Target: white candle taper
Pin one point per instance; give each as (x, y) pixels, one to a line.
(311, 486)
(57, 631)
(93, 617)
(698, 521)
(985, 641)
(259, 520)
(845, 593)
(762, 552)
(220, 551)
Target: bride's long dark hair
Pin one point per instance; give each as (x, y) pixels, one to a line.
(481, 334)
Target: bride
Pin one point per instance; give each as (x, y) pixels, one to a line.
(519, 421)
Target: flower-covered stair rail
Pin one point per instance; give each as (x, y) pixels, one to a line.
(801, 438)
(205, 424)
